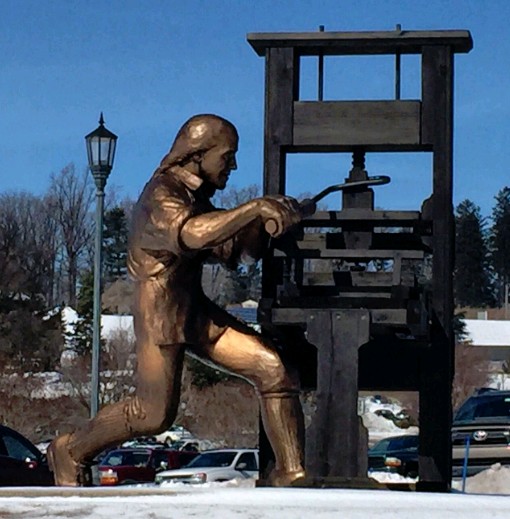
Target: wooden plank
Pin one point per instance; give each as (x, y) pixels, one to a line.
(348, 254)
(353, 279)
(380, 240)
(356, 123)
(337, 301)
(389, 316)
(367, 42)
(383, 218)
(373, 279)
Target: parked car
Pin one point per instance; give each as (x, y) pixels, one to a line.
(484, 420)
(190, 445)
(21, 463)
(139, 465)
(401, 419)
(215, 465)
(175, 433)
(397, 454)
(143, 441)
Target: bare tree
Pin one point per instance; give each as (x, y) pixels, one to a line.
(204, 413)
(471, 371)
(73, 195)
(29, 337)
(11, 272)
(34, 406)
(42, 235)
(117, 373)
(222, 285)
(117, 297)
(233, 196)
(16, 392)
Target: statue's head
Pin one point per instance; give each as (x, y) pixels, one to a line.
(208, 143)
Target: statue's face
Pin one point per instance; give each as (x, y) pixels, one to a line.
(217, 163)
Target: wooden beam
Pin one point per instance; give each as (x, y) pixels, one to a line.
(349, 254)
(337, 334)
(390, 316)
(368, 42)
(437, 361)
(357, 123)
(374, 218)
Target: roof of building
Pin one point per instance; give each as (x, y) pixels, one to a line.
(482, 332)
(246, 314)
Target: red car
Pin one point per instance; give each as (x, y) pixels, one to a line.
(139, 465)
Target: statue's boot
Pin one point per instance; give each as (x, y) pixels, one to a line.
(279, 478)
(284, 425)
(66, 470)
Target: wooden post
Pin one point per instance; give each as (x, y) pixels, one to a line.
(332, 442)
(438, 359)
(282, 89)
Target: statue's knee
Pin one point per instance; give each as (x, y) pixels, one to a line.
(143, 417)
(276, 377)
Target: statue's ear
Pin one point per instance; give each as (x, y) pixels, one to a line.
(197, 157)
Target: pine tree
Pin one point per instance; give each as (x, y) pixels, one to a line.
(500, 242)
(80, 339)
(115, 239)
(472, 274)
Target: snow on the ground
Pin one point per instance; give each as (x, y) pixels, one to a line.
(495, 480)
(223, 501)
(500, 381)
(380, 427)
(486, 495)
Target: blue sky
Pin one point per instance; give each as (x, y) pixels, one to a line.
(149, 65)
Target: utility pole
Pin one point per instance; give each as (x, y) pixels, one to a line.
(507, 296)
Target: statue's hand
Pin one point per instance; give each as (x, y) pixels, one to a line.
(279, 213)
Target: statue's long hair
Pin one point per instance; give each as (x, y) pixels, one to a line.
(198, 134)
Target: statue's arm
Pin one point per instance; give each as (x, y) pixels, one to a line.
(210, 230)
(239, 233)
(170, 224)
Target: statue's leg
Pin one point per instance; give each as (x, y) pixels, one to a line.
(255, 358)
(150, 411)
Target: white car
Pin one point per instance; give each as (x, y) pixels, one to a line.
(215, 465)
(175, 433)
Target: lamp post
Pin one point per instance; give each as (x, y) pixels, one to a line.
(100, 151)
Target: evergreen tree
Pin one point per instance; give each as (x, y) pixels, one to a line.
(500, 242)
(240, 284)
(472, 274)
(80, 339)
(115, 239)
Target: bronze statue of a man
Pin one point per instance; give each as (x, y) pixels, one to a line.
(175, 229)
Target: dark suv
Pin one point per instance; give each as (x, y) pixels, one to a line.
(21, 462)
(483, 421)
(397, 454)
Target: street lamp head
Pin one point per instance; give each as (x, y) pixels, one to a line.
(101, 150)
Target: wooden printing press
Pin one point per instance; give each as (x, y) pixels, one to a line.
(360, 298)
